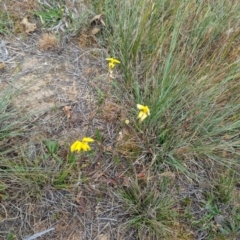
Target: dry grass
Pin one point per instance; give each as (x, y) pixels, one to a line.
(17, 11)
(47, 42)
(20, 9)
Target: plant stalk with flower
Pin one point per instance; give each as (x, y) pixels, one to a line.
(112, 62)
(144, 112)
(82, 145)
(111, 65)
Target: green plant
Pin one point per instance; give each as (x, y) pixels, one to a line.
(178, 59)
(11, 236)
(50, 16)
(231, 228)
(150, 207)
(6, 23)
(3, 192)
(52, 146)
(224, 187)
(57, 16)
(10, 125)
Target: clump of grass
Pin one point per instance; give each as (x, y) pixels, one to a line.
(150, 208)
(6, 23)
(219, 213)
(10, 125)
(12, 128)
(24, 164)
(177, 59)
(50, 15)
(47, 42)
(56, 16)
(174, 58)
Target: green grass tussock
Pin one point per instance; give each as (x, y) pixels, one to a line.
(10, 126)
(179, 59)
(150, 207)
(176, 59)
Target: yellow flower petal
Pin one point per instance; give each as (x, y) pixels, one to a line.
(113, 60)
(85, 147)
(87, 139)
(140, 107)
(143, 108)
(140, 114)
(76, 146)
(111, 65)
(143, 117)
(144, 112)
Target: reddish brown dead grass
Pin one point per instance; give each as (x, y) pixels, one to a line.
(47, 41)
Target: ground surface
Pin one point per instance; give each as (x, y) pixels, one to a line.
(59, 87)
(139, 181)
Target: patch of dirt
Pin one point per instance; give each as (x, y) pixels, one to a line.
(49, 80)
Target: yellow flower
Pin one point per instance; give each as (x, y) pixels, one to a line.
(127, 121)
(81, 145)
(112, 62)
(144, 112)
(76, 146)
